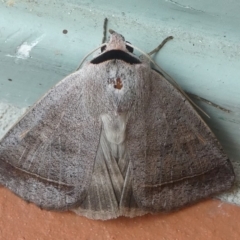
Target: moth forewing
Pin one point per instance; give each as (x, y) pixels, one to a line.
(113, 139)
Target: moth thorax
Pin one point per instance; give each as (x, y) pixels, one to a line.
(114, 127)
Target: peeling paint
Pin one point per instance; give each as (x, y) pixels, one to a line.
(184, 6)
(12, 35)
(10, 3)
(23, 51)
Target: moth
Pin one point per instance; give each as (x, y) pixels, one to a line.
(112, 139)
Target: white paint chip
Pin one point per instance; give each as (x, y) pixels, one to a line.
(23, 51)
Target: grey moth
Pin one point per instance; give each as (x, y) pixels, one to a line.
(112, 139)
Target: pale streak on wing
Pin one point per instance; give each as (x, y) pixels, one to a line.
(40, 145)
(22, 155)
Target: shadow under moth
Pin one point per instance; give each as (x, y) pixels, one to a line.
(114, 138)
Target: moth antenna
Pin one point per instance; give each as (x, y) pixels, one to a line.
(89, 55)
(167, 76)
(175, 84)
(104, 30)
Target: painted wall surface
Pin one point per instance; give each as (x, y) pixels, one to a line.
(204, 57)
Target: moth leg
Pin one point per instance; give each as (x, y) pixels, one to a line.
(208, 102)
(104, 30)
(145, 59)
(159, 47)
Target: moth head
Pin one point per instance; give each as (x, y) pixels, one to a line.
(116, 48)
(116, 42)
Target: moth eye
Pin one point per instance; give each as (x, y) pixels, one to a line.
(103, 48)
(130, 49)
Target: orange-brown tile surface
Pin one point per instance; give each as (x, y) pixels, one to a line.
(211, 219)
